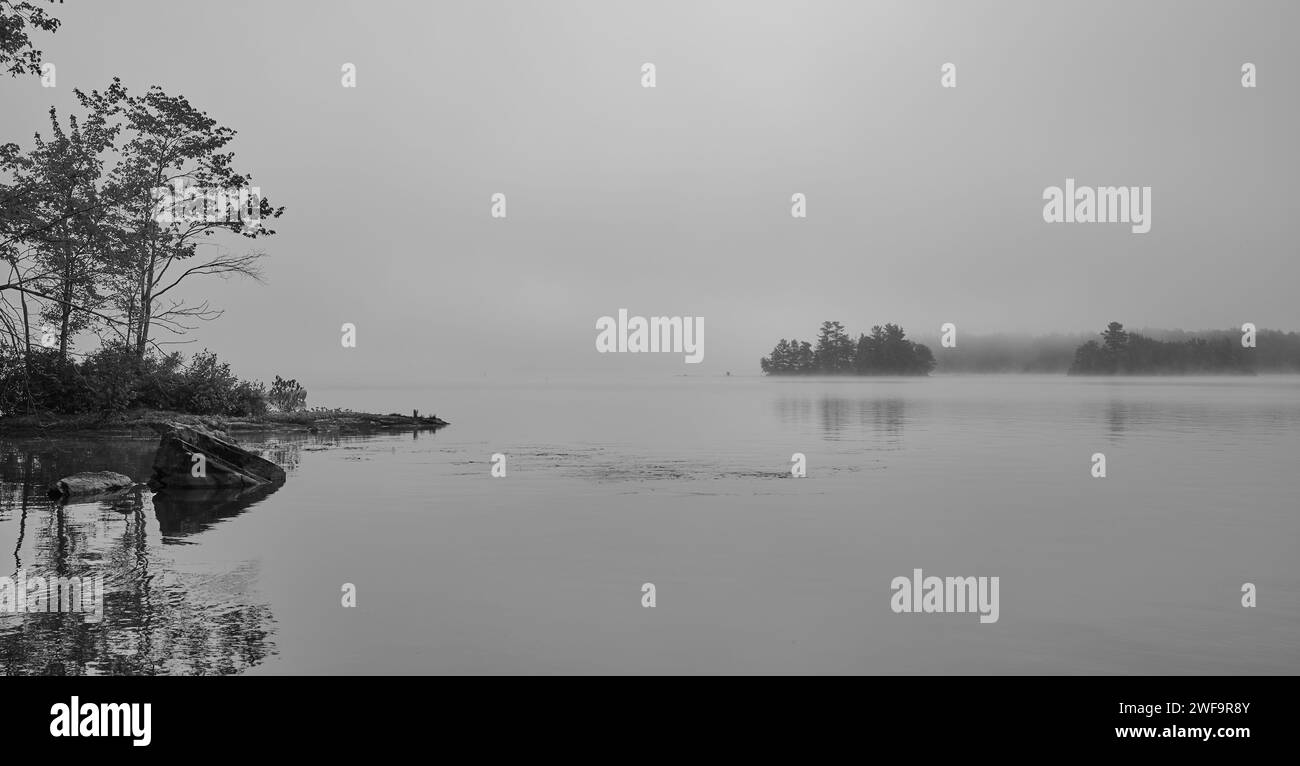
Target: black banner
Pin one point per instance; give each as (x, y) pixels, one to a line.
(216, 716)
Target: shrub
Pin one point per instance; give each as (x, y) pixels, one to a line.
(162, 382)
(113, 380)
(249, 400)
(209, 387)
(287, 395)
(52, 387)
(109, 382)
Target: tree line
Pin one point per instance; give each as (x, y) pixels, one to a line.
(86, 253)
(1149, 351)
(886, 351)
(1121, 352)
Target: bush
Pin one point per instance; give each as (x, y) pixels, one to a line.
(162, 382)
(249, 400)
(113, 380)
(287, 395)
(109, 381)
(209, 388)
(51, 387)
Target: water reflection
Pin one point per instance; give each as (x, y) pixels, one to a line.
(887, 416)
(158, 617)
(1124, 418)
(793, 410)
(1116, 417)
(184, 513)
(837, 416)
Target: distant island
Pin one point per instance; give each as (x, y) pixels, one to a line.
(886, 351)
(1121, 353)
(1115, 351)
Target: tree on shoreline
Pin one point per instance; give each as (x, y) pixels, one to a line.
(63, 178)
(86, 246)
(172, 143)
(90, 240)
(886, 351)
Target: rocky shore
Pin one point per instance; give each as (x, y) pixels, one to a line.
(146, 423)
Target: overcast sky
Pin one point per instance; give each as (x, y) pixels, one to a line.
(924, 203)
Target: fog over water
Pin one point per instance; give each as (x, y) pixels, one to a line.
(686, 483)
(924, 203)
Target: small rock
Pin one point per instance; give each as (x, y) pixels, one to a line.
(89, 483)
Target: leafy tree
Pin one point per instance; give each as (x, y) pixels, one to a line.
(170, 142)
(16, 18)
(57, 185)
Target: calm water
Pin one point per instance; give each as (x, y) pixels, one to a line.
(684, 482)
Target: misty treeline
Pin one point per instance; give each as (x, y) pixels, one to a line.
(886, 351)
(1154, 351)
(1120, 352)
(86, 258)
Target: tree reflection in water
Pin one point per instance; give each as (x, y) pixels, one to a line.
(156, 618)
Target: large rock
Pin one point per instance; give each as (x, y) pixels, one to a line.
(90, 483)
(224, 464)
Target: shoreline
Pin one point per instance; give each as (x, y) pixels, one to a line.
(141, 423)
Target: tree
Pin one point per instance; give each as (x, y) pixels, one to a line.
(834, 352)
(866, 356)
(790, 357)
(16, 52)
(57, 186)
(17, 56)
(173, 145)
(779, 363)
(923, 359)
(1115, 340)
(1087, 358)
(802, 357)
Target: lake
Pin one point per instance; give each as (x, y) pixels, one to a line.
(685, 482)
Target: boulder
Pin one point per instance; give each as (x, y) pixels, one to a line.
(90, 483)
(224, 464)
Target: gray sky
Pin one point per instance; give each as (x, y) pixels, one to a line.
(924, 203)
